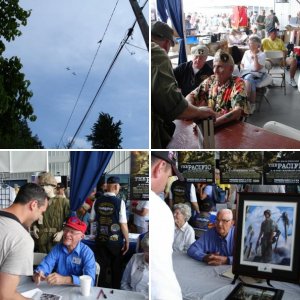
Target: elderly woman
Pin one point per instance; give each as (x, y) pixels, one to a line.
(136, 275)
(253, 68)
(184, 233)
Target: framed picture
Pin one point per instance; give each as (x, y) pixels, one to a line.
(267, 229)
(249, 291)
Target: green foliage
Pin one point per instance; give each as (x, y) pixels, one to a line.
(12, 16)
(15, 108)
(105, 133)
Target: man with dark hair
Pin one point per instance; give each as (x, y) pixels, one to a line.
(16, 244)
(164, 284)
(112, 240)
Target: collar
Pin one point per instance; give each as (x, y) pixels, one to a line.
(184, 227)
(76, 250)
(109, 194)
(226, 238)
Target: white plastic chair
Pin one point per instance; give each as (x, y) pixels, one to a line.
(262, 89)
(276, 66)
(97, 274)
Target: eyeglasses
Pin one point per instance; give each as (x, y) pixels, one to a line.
(71, 231)
(223, 221)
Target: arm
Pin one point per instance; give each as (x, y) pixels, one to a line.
(233, 115)
(197, 250)
(143, 212)
(124, 229)
(8, 286)
(193, 197)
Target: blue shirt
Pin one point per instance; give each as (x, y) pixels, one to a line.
(81, 261)
(212, 242)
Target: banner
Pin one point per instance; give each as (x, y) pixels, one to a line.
(241, 167)
(139, 175)
(281, 167)
(197, 166)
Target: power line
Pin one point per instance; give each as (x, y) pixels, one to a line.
(88, 73)
(137, 47)
(122, 44)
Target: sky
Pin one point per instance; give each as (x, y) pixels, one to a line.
(61, 34)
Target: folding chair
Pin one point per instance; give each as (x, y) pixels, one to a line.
(97, 274)
(275, 65)
(38, 257)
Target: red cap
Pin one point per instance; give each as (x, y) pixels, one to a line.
(77, 224)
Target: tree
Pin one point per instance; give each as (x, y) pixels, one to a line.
(15, 108)
(105, 133)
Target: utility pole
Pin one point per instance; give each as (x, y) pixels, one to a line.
(141, 21)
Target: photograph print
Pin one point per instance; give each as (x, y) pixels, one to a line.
(268, 234)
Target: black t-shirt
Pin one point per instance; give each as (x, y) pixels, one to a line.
(187, 80)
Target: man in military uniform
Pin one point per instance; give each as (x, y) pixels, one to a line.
(48, 230)
(110, 214)
(268, 230)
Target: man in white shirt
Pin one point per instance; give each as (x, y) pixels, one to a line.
(164, 284)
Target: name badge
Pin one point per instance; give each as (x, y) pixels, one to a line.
(76, 260)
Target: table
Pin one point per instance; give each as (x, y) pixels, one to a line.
(200, 281)
(69, 292)
(233, 135)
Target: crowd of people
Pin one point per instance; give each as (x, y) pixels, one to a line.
(39, 220)
(225, 92)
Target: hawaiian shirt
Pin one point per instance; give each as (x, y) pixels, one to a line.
(224, 98)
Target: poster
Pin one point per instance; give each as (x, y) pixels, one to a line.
(197, 166)
(241, 167)
(139, 175)
(281, 167)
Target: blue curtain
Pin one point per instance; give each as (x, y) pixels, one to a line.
(161, 8)
(174, 10)
(86, 170)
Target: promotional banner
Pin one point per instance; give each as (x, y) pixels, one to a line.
(197, 166)
(139, 175)
(281, 167)
(241, 167)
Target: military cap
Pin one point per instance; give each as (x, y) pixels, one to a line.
(162, 30)
(223, 57)
(199, 50)
(47, 178)
(77, 224)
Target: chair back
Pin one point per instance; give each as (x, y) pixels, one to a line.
(38, 257)
(276, 57)
(97, 274)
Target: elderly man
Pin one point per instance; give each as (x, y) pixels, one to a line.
(190, 74)
(112, 241)
(70, 259)
(16, 244)
(215, 246)
(225, 94)
(164, 284)
(167, 101)
(273, 43)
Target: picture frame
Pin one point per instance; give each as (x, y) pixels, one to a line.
(266, 244)
(250, 291)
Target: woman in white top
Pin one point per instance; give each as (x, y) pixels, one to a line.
(184, 233)
(253, 68)
(136, 275)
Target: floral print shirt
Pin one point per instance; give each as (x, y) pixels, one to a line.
(224, 98)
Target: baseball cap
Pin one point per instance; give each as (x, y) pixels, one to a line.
(271, 29)
(113, 179)
(199, 50)
(46, 178)
(223, 57)
(162, 30)
(77, 224)
(170, 157)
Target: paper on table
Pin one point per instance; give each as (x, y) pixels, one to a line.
(246, 279)
(38, 294)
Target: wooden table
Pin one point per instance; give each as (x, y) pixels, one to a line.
(234, 135)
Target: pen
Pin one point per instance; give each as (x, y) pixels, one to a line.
(100, 292)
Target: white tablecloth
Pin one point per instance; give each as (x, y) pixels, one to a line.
(200, 281)
(73, 292)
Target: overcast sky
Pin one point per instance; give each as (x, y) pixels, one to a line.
(62, 34)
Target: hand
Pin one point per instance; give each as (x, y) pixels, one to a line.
(215, 259)
(57, 236)
(56, 279)
(38, 277)
(206, 112)
(125, 248)
(35, 232)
